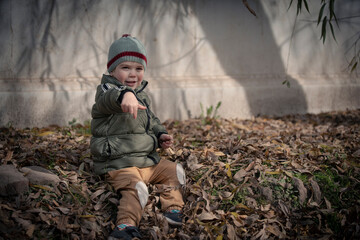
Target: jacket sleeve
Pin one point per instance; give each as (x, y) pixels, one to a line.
(108, 98)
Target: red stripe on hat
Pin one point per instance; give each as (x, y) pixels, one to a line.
(123, 54)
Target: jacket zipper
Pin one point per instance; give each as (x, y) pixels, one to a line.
(149, 118)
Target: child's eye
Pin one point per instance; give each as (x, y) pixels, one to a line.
(125, 68)
(139, 69)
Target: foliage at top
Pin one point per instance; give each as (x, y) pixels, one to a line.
(326, 17)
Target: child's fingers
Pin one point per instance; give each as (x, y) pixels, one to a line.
(166, 143)
(134, 112)
(141, 107)
(133, 109)
(126, 109)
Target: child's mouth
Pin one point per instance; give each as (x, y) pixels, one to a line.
(130, 83)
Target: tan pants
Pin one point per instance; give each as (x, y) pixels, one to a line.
(132, 181)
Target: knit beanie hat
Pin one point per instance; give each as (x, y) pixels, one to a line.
(124, 49)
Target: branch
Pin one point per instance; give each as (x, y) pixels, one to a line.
(249, 8)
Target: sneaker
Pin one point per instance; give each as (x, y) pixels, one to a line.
(125, 232)
(174, 217)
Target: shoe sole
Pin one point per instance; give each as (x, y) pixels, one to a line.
(172, 222)
(114, 238)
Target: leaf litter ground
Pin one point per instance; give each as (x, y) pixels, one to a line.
(292, 177)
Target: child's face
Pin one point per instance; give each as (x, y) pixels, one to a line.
(129, 74)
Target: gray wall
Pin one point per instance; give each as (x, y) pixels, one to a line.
(53, 54)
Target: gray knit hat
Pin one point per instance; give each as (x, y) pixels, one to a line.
(124, 49)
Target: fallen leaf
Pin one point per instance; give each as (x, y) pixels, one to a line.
(207, 216)
(239, 175)
(301, 188)
(46, 133)
(230, 232)
(316, 191)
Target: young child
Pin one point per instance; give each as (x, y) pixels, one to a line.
(125, 136)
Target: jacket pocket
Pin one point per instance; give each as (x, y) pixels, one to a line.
(100, 147)
(134, 144)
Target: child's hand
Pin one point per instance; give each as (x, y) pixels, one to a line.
(166, 140)
(130, 104)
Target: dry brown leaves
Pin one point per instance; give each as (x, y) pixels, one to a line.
(295, 177)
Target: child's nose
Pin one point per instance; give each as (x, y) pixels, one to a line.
(132, 72)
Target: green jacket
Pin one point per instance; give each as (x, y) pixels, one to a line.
(118, 140)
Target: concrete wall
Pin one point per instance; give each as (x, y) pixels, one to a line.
(53, 54)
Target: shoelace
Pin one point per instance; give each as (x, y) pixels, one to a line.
(174, 211)
(123, 226)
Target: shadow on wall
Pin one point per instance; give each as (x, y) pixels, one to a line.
(258, 67)
(247, 52)
(37, 58)
(51, 36)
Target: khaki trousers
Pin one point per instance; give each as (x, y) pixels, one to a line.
(132, 184)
